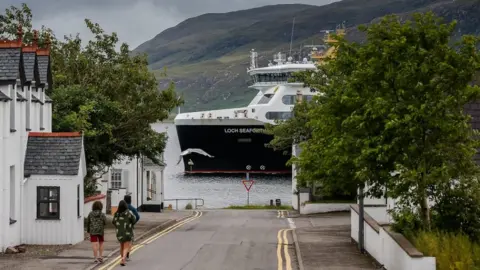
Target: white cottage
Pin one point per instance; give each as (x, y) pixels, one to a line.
(139, 177)
(25, 76)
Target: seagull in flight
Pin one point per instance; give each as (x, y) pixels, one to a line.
(193, 150)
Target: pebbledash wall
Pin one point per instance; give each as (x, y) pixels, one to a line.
(24, 108)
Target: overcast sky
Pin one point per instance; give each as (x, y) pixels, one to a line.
(135, 21)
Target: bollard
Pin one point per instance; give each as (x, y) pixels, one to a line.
(278, 202)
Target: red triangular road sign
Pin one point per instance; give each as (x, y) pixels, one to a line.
(248, 184)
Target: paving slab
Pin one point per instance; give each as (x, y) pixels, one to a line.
(80, 256)
(324, 243)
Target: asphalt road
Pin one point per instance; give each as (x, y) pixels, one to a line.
(219, 240)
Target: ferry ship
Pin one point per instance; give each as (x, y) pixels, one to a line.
(234, 140)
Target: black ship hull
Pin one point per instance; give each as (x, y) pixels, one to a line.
(235, 149)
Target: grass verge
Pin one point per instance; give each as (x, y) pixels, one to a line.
(259, 207)
(452, 251)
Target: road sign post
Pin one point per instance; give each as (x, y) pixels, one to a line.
(248, 184)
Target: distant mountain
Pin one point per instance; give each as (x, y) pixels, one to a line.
(207, 56)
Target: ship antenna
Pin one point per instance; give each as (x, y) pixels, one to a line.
(291, 37)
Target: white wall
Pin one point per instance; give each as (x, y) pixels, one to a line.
(69, 229)
(12, 154)
(316, 208)
(295, 152)
(383, 247)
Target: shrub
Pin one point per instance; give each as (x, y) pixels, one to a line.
(189, 206)
(406, 221)
(452, 251)
(458, 210)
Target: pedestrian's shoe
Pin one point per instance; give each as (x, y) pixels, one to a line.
(128, 256)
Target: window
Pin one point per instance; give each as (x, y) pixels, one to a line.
(292, 99)
(116, 180)
(48, 202)
(278, 115)
(78, 201)
(12, 195)
(265, 99)
(289, 99)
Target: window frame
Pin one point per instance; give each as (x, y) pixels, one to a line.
(48, 201)
(112, 174)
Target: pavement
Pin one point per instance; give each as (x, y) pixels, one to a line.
(218, 240)
(323, 242)
(80, 256)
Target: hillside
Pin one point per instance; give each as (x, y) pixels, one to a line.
(207, 56)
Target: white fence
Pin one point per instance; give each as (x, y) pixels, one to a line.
(390, 249)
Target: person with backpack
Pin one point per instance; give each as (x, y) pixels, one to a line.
(123, 221)
(128, 200)
(96, 222)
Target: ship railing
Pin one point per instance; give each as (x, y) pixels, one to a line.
(195, 200)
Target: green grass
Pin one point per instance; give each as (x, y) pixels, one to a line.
(258, 207)
(332, 201)
(452, 251)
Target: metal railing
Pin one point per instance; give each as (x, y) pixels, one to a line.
(196, 200)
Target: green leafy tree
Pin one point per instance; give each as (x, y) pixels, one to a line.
(396, 103)
(103, 91)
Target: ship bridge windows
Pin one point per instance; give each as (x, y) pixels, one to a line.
(292, 99)
(265, 99)
(278, 115)
(272, 77)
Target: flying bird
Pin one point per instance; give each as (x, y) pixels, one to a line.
(193, 150)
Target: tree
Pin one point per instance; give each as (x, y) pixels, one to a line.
(293, 130)
(396, 103)
(106, 93)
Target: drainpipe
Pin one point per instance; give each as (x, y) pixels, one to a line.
(141, 169)
(20, 219)
(136, 195)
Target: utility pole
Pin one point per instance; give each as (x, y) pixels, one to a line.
(361, 210)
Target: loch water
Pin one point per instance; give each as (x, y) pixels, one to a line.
(218, 191)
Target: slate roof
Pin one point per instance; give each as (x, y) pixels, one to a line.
(36, 100)
(4, 97)
(53, 153)
(148, 162)
(9, 63)
(43, 63)
(20, 98)
(29, 66)
(48, 99)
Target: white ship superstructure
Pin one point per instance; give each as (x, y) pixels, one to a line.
(241, 130)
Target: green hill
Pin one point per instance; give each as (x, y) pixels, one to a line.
(207, 56)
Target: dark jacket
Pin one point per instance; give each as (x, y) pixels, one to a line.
(123, 222)
(135, 212)
(96, 222)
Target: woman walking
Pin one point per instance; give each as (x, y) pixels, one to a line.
(123, 221)
(96, 222)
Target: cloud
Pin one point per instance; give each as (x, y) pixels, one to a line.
(135, 21)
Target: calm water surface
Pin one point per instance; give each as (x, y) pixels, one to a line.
(217, 191)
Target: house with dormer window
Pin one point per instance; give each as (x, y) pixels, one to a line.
(41, 173)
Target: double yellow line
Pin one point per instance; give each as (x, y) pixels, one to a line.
(283, 242)
(281, 213)
(152, 238)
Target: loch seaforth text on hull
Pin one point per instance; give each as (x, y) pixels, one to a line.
(244, 130)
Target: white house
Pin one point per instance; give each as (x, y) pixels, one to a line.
(29, 211)
(139, 177)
